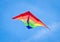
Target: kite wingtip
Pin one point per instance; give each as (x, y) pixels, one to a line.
(48, 28)
(13, 18)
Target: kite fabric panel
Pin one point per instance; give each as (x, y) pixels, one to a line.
(30, 20)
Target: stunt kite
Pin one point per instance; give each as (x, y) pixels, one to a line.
(30, 20)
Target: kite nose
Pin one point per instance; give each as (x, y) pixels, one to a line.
(29, 27)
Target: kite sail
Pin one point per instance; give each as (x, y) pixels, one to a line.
(30, 20)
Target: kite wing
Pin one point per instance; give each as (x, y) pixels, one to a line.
(30, 20)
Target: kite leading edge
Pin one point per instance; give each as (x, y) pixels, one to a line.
(30, 20)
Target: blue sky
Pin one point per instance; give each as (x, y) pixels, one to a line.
(15, 31)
